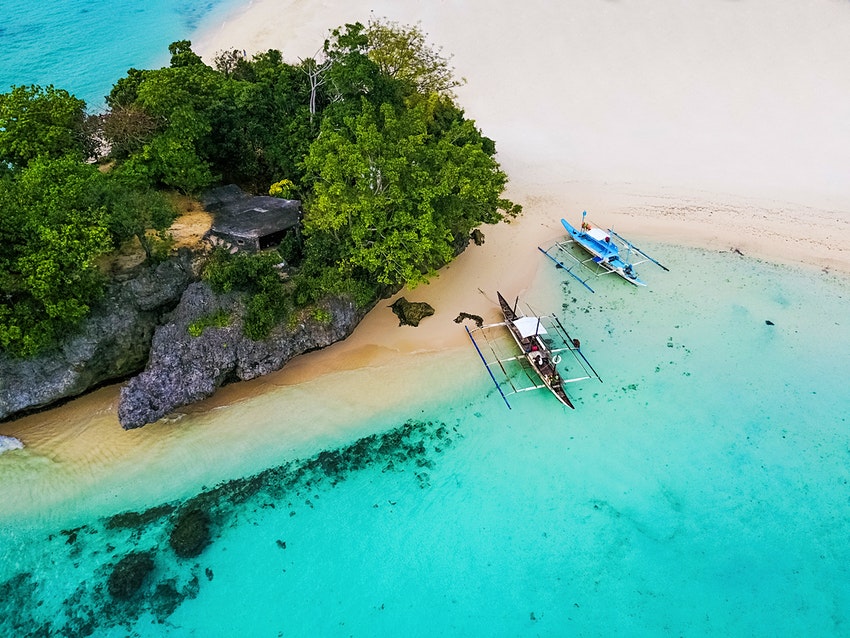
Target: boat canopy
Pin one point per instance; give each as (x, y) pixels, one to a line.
(599, 235)
(529, 326)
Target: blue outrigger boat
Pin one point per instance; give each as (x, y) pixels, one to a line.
(604, 247)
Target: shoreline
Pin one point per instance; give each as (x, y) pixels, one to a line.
(560, 160)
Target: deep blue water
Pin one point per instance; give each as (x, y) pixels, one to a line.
(85, 46)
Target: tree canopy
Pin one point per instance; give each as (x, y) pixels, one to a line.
(41, 121)
(395, 197)
(391, 174)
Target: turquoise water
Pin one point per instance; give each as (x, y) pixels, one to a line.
(85, 46)
(702, 489)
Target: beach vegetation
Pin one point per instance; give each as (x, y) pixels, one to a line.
(52, 229)
(403, 52)
(40, 121)
(395, 198)
(322, 315)
(257, 277)
(59, 215)
(284, 189)
(392, 175)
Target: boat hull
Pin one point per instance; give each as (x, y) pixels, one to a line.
(605, 252)
(536, 353)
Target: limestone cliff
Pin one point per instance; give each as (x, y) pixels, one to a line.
(183, 369)
(110, 344)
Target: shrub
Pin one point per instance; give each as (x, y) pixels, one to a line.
(217, 319)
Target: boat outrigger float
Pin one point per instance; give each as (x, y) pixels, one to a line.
(604, 247)
(541, 340)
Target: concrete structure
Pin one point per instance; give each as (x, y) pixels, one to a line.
(247, 222)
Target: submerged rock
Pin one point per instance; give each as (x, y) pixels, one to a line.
(410, 313)
(129, 574)
(191, 533)
(465, 315)
(138, 520)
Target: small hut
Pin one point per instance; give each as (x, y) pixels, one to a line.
(250, 223)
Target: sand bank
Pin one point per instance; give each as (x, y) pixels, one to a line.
(717, 126)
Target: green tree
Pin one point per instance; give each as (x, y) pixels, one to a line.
(133, 209)
(41, 121)
(403, 53)
(352, 75)
(126, 90)
(53, 228)
(182, 54)
(172, 107)
(394, 198)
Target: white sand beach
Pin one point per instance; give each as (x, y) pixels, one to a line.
(717, 125)
(714, 125)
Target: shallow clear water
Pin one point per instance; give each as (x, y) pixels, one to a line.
(701, 489)
(85, 46)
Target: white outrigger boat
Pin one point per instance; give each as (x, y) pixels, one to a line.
(541, 340)
(604, 247)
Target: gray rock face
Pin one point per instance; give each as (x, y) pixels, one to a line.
(112, 342)
(183, 369)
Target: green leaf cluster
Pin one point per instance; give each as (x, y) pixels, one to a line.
(41, 122)
(217, 319)
(58, 214)
(266, 301)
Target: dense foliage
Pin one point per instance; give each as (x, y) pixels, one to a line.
(367, 134)
(58, 214)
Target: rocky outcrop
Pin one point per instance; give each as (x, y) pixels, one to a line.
(410, 313)
(9, 443)
(183, 369)
(112, 343)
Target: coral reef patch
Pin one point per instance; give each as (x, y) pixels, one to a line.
(129, 574)
(160, 561)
